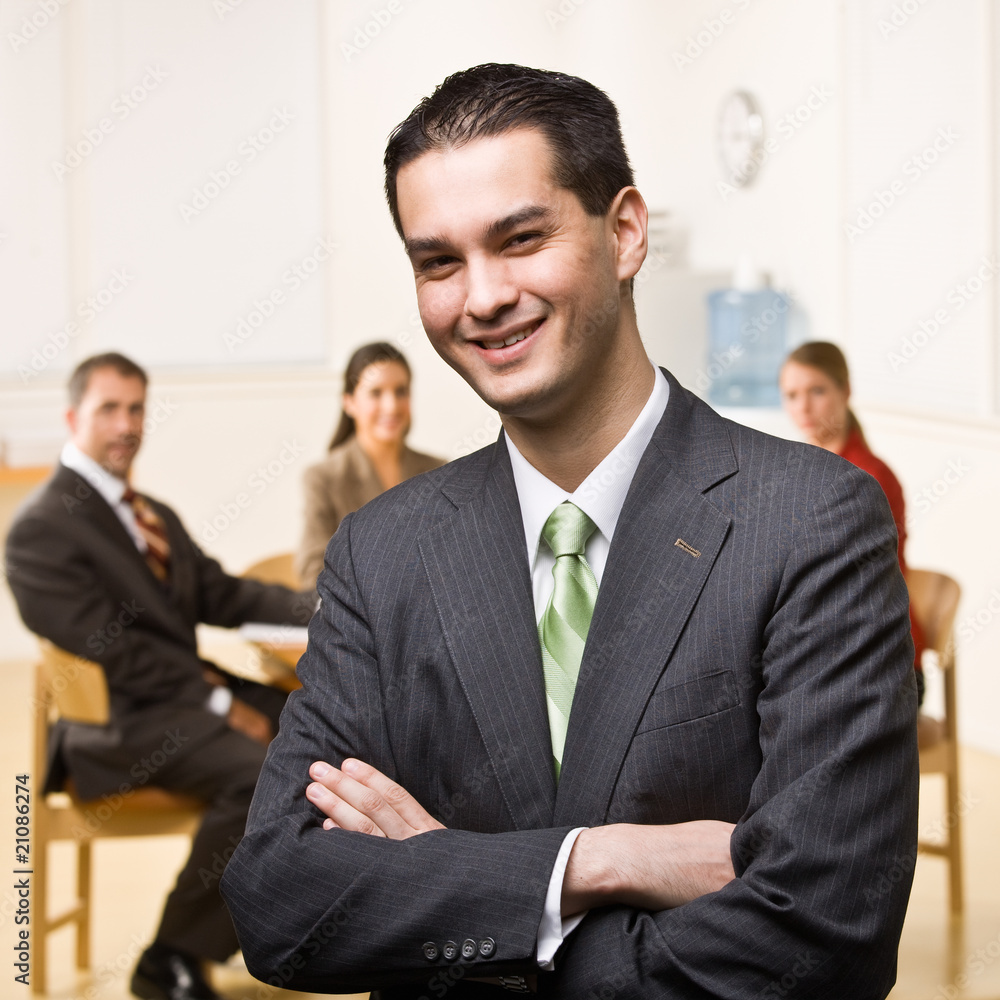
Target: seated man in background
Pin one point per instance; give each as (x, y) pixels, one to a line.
(87, 553)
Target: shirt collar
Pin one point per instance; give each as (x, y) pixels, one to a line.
(602, 494)
(110, 487)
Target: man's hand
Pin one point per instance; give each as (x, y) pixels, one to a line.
(648, 867)
(246, 719)
(357, 797)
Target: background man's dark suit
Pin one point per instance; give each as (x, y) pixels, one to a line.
(760, 673)
(75, 571)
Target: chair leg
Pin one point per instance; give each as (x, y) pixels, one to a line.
(955, 868)
(84, 868)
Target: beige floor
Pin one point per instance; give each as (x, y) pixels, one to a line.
(939, 959)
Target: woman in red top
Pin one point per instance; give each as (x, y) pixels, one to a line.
(816, 388)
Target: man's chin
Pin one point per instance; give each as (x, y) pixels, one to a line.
(118, 469)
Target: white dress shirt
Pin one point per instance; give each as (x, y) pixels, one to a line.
(600, 496)
(113, 489)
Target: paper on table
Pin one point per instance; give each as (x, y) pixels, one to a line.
(274, 635)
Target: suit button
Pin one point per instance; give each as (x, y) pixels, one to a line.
(468, 948)
(487, 946)
(449, 950)
(430, 950)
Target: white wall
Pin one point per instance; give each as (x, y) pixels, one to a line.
(879, 96)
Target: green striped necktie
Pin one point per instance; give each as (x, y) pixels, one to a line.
(565, 623)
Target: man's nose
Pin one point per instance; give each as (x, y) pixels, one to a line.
(489, 288)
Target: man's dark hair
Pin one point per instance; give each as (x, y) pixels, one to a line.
(579, 121)
(80, 378)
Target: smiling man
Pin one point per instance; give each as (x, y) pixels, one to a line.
(619, 706)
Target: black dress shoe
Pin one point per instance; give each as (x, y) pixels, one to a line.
(170, 975)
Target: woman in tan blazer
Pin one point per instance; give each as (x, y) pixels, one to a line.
(368, 452)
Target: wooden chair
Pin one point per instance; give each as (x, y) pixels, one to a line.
(275, 569)
(72, 688)
(934, 599)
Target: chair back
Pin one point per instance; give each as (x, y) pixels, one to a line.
(934, 598)
(275, 569)
(76, 688)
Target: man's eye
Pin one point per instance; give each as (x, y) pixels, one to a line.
(436, 264)
(523, 239)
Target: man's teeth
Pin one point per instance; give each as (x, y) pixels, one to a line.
(495, 345)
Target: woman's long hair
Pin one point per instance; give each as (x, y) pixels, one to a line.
(367, 354)
(829, 359)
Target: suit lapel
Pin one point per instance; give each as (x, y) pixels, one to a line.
(478, 570)
(80, 498)
(649, 588)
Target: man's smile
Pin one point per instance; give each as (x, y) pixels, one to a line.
(515, 337)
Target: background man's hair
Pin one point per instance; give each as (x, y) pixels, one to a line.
(80, 378)
(579, 121)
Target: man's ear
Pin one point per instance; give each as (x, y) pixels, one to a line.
(71, 420)
(629, 217)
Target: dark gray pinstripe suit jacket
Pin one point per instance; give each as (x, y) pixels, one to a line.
(765, 681)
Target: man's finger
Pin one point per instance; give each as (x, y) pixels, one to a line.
(340, 813)
(395, 796)
(368, 811)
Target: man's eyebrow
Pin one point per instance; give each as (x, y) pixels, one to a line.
(530, 213)
(436, 244)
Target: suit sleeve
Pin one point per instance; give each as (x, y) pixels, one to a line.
(148, 652)
(824, 854)
(229, 601)
(341, 911)
(62, 597)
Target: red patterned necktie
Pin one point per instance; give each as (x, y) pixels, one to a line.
(154, 533)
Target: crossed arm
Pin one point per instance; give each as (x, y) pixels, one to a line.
(830, 808)
(649, 867)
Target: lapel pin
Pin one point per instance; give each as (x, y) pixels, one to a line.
(689, 549)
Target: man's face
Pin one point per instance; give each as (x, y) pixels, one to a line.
(107, 425)
(519, 289)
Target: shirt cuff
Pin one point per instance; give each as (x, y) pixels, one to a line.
(554, 929)
(221, 700)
